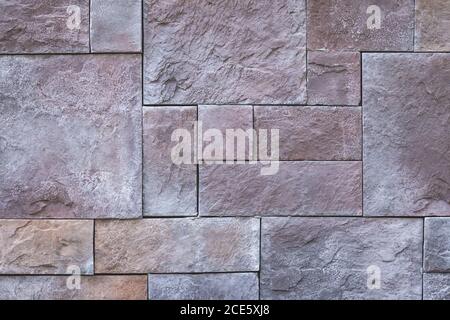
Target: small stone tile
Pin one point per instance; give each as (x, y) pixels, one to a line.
(44, 26)
(406, 129)
(334, 78)
(341, 258)
(217, 286)
(116, 25)
(180, 245)
(437, 245)
(125, 287)
(432, 25)
(45, 246)
(436, 286)
(224, 52)
(314, 133)
(170, 189)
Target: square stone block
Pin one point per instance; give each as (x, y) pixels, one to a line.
(436, 286)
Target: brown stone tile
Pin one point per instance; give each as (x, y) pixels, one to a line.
(432, 25)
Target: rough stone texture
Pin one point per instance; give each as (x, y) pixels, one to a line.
(223, 118)
(334, 78)
(225, 286)
(177, 245)
(432, 25)
(169, 189)
(210, 52)
(342, 25)
(38, 26)
(406, 130)
(45, 246)
(70, 136)
(299, 188)
(327, 258)
(116, 25)
(436, 286)
(314, 133)
(91, 288)
(437, 245)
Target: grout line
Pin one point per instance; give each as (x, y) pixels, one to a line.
(198, 164)
(93, 247)
(89, 28)
(260, 258)
(414, 29)
(423, 252)
(362, 131)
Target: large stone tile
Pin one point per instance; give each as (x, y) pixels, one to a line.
(342, 25)
(436, 286)
(217, 286)
(437, 245)
(170, 189)
(65, 288)
(218, 52)
(177, 245)
(298, 188)
(116, 25)
(70, 136)
(38, 26)
(45, 246)
(341, 258)
(432, 25)
(314, 133)
(406, 129)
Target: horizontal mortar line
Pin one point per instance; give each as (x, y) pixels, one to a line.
(69, 274)
(69, 53)
(203, 272)
(396, 52)
(252, 104)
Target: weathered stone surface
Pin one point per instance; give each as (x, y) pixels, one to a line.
(38, 26)
(334, 78)
(210, 52)
(432, 25)
(437, 245)
(298, 188)
(170, 189)
(222, 118)
(328, 258)
(217, 286)
(70, 136)
(45, 246)
(406, 130)
(91, 288)
(116, 25)
(314, 133)
(436, 286)
(177, 245)
(343, 25)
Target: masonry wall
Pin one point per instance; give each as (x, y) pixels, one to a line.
(357, 205)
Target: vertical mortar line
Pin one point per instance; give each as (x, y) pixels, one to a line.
(142, 111)
(362, 129)
(198, 166)
(306, 52)
(260, 254)
(93, 247)
(414, 30)
(89, 26)
(423, 251)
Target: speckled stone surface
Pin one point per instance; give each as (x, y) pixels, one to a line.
(432, 25)
(436, 286)
(437, 245)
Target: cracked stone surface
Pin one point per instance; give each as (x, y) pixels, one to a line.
(70, 136)
(337, 25)
(127, 287)
(44, 26)
(432, 25)
(436, 286)
(116, 26)
(298, 188)
(327, 258)
(169, 189)
(217, 286)
(437, 245)
(313, 133)
(211, 52)
(334, 78)
(45, 247)
(406, 130)
(184, 245)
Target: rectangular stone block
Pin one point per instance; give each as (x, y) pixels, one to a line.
(353, 25)
(224, 52)
(217, 286)
(63, 288)
(298, 188)
(341, 258)
(183, 245)
(334, 78)
(437, 245)
(313, 133)
(170, 189)
(70, 136)
(44, 26)
(46, 246)
(432, 25)
(436, 286)
(406, 129)
(116, 25)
